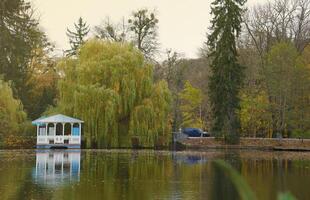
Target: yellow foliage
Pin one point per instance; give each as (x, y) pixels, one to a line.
(191, 100)
(254, 114)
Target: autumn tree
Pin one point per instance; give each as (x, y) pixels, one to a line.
(255, 115)
(176, 70)
(255, 112)
(279, 74)
(191, 106)
(299, 117)
(227, 73)
(77, 36)
(274, 98)
(301, 90)
(21, 42)
(42, 81)
(265, 26)
(19, 31)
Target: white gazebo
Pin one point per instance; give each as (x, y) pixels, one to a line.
(58, 131)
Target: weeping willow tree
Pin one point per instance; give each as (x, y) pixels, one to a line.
(110, 86)
(12, 116)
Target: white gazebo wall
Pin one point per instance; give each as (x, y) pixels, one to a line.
(45, 134)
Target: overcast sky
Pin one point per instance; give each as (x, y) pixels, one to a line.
(182, 23)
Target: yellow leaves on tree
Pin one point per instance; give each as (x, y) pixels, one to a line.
(191, 100)
(254, 114)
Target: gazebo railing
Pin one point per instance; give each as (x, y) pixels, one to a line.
(58, 139)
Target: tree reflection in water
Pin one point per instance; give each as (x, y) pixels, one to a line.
(147, 175)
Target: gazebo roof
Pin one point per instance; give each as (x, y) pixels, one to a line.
(57, 119)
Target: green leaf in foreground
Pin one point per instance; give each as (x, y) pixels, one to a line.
(244, 190)
(242, 187)
(286, 196)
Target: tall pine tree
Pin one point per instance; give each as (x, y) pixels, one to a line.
(77, 37)
(226, 78)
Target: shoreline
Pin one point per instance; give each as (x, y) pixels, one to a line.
(211, 154)
(269, 144)
(210, 143)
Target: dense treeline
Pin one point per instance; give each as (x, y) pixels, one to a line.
(26, 68)
(24, 50)
(275, 50)
(276, 100)
(126, 96)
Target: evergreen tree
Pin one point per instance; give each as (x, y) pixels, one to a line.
(77, 37)
(227, 73)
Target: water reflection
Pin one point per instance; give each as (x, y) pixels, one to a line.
(189, 159)
(57, 167)
(147, 175)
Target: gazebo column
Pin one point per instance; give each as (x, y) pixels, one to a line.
(71, 129)
(63, 129)
(55, 129)
(45, 139)
(71, 134)
(80, 132)
(46, 129)
(38, 128)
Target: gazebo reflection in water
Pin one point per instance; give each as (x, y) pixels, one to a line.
(57, 167)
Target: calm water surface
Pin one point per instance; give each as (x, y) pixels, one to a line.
(158, 175)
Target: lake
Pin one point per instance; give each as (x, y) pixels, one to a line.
(147, 174)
